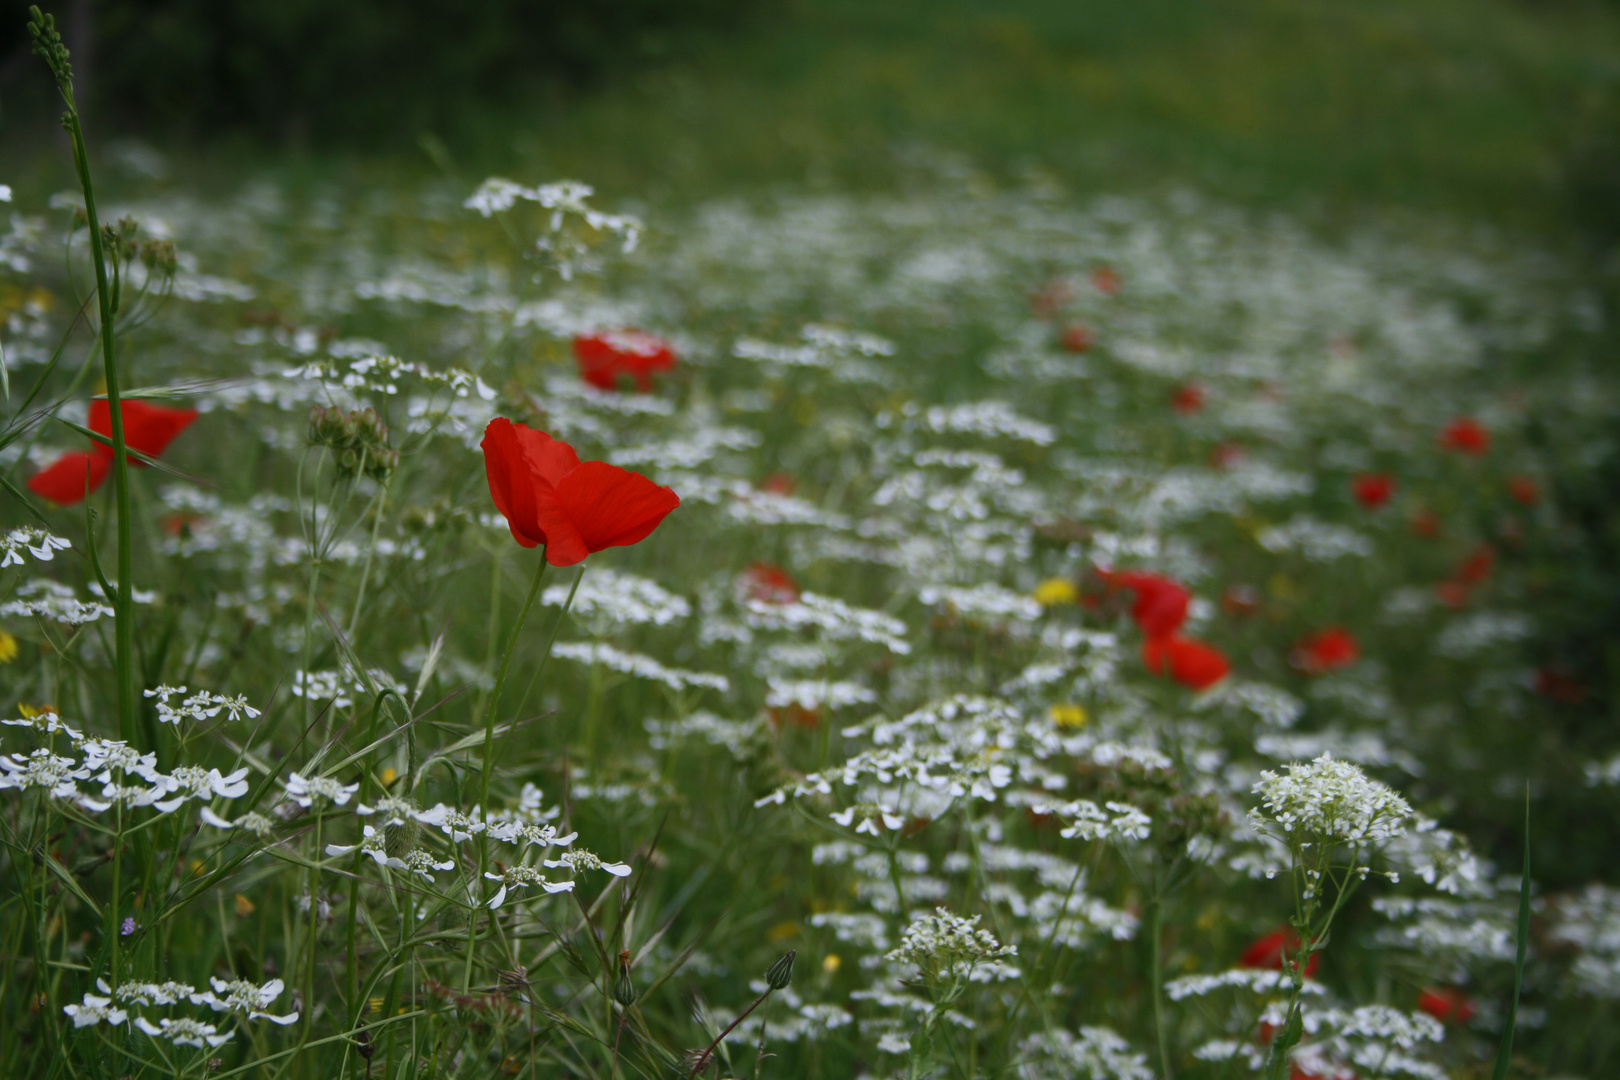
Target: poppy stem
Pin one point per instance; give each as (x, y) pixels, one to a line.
(49, 45)
(489, 754)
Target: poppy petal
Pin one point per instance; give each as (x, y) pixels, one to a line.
(148, 428)
(611, 506)
(511, 481)
(66, 480)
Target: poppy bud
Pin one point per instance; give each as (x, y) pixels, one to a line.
(781, 972)
(624, 988)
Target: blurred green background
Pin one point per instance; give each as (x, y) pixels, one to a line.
(1504, 110)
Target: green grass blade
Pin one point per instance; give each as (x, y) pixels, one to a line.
(1505, 1054)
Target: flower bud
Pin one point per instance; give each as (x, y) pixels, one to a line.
(781, 972)
(624, 988)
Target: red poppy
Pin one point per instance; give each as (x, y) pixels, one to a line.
(795, 714)
(1225, 455)
(1076, 338)
(1267, 952)
(605, 357)
(148, 428)
(1105, 279)
(1050, 299)
(1188, 399)
(768, 584)
(1465, 435)
(1328, 650)
(1524, 489)
(548, 496)
(1477, 567)
(779, 483)
(1193, 664)
(1558, 686)
(1161, 604)
(1447, 1004)
(70, 477)
(1453, 593)
(1426, 524)
(1373, 490)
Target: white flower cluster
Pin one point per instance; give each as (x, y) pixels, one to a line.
(233, 996)
(983, 418)
(202, 705)
(36, 541)
(946, 946)
(618, 598)
(835, 619)
(382, 375)
(1085, 820)
(984, 601)
(1256, 980)
(111, 764)
(1329, 801)
(1097, 1053)
(815, 693)
(1318, 541)
(641, 666)
(1589, 922)
(46, 599)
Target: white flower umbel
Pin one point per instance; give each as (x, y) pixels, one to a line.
(185, 1032)
(866, 817)
(240, 995)
(37, 542)
(516, 877)
(580, 859)
(1098, 1053)
(1333, 819)
(42, 769)
(149, 994)
(1329, 801)
(93, 1010)
(642, 666)
(305, 790)
(946, 948)
(373, 843)
(254, 822)
(615, 598)
(1085, 820)
(202, 705)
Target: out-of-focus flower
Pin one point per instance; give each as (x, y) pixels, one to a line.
(1267, 952)
(1106, 280)
(1426, 524)
(8, 648)
(1161, 604)
(1325, 651)
(548, 496)
(767, 583)
(1053, 297)
(1524, 489)
(1446, 1004)
(1226, 455)
(1373, 490)
(148, 428)
(1076, 338)
(71, 477)
(1193, 664)
(1550, 682)
(1466, 436)
(606, 357)
(1055, 591)
(1188, 399)
(1068, 716)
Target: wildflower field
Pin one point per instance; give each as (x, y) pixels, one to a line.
(470, 631)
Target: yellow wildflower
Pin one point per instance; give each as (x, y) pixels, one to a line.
(1068, 716)
(1054, 591)
(8, 648)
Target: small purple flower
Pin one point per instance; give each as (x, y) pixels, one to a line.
(129, 926)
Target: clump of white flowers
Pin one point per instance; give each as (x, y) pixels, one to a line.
(1329, 801)
(946, 948)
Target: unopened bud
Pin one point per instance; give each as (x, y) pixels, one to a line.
(781, 972)
(624, 988)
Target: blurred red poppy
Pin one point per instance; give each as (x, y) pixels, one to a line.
(1193, 664)
(148, 428)
(1052, 298)
(606, 357)
(70, 477)
(1524, 489)
(1225, 455)
(1452, 593)
(1465, 435)
(1188, 399)
(795, 714)
(1552, 683)
(1426, 524)
(779, 483)
(1106, 280)
(1373, 490)
(1076, 338)
(548, 496)
(1161, 604)
(1447, 1004)
(1325, 651)
(768, 584)
(1267, 952)
(1477, 566)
